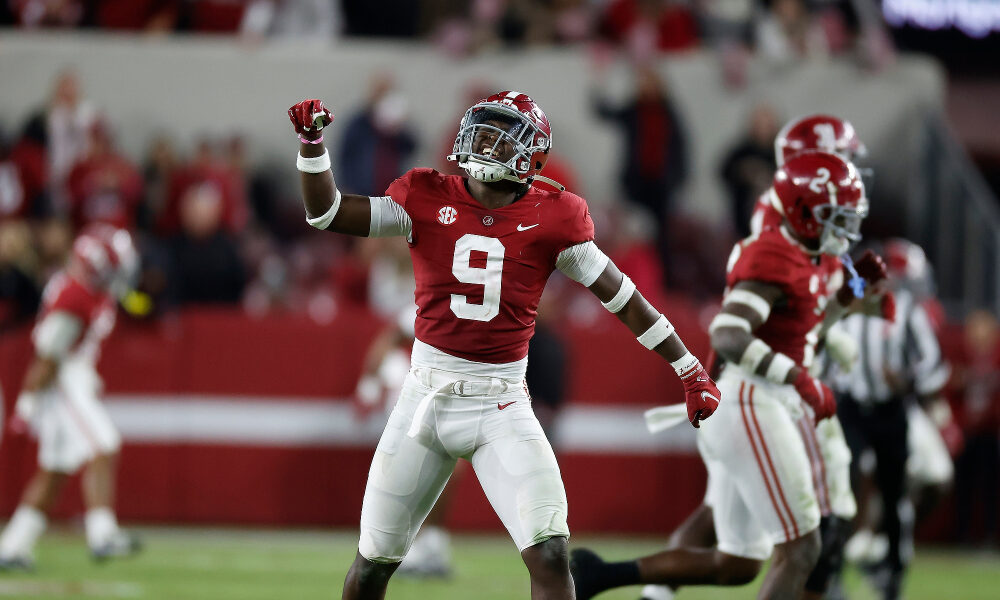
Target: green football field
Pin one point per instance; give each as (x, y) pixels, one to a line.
(214, 564)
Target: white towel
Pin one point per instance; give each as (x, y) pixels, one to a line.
(665, 417)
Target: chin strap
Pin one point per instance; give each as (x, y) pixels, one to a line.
(515, 179)
(856, 282)
(551, 182)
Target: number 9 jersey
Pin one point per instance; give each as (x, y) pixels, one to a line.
(480, 272)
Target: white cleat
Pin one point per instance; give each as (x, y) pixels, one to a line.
(657, 592)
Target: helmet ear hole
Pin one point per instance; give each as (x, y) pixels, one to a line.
(538, 165)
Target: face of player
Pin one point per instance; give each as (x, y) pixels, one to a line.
(490, 141)
(841, 228)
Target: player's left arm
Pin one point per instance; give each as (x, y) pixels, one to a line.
(586, 264)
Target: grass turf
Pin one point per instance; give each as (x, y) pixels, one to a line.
(222, 564)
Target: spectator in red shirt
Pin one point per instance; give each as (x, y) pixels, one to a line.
(205, 168)
(104, 186)
(645, 27)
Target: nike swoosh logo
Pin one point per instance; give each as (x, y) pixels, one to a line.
(523, 228)
(503, 406)
(702, 379)
(706, 395)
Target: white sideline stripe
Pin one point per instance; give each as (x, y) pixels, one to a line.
(286, 423)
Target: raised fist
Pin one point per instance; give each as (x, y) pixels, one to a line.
(816, 394)
(700, 394)
(309, 117)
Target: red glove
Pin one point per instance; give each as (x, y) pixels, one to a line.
(871, 268)
(816, 394)
(309, 117)
(700, 394)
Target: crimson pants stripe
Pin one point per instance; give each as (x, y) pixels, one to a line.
(760, 464)
(770, 463)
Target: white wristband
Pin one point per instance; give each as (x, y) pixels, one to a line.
(657, 333)
(323, 221)
(756, 351)
(318, 164)
(624, 294)
(683, 365)
(778, 370)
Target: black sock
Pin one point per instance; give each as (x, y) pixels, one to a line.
(591, 575)
(613, 575)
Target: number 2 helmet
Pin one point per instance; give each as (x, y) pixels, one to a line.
(503, 137)
(822, 200)
(821, 133)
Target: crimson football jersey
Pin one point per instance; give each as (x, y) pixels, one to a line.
(480, 272)
(764, 215)
(806, 281)
(95, 310)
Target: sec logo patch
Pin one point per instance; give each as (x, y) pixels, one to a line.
(447, 215)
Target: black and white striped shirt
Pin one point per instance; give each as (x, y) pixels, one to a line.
(894, 359)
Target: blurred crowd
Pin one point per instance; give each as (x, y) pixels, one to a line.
(215, 229)
(782, 30)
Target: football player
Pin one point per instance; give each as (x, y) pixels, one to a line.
(828, 451)
(482, 249)
(761, 488)
(60, 400)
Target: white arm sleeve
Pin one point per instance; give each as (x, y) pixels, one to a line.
(388, 219)
(56, 334)
(583, 263)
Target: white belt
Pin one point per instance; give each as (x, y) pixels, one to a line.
(442, 381)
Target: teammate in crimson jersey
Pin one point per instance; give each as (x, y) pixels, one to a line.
(60, 401)
(482, 250)
(825, 444)
(781, 287)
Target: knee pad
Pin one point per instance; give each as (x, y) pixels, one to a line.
(833, 533)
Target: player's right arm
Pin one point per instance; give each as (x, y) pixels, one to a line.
(744, 309)
(326, 207)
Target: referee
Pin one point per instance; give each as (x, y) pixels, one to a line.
(898, 363)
